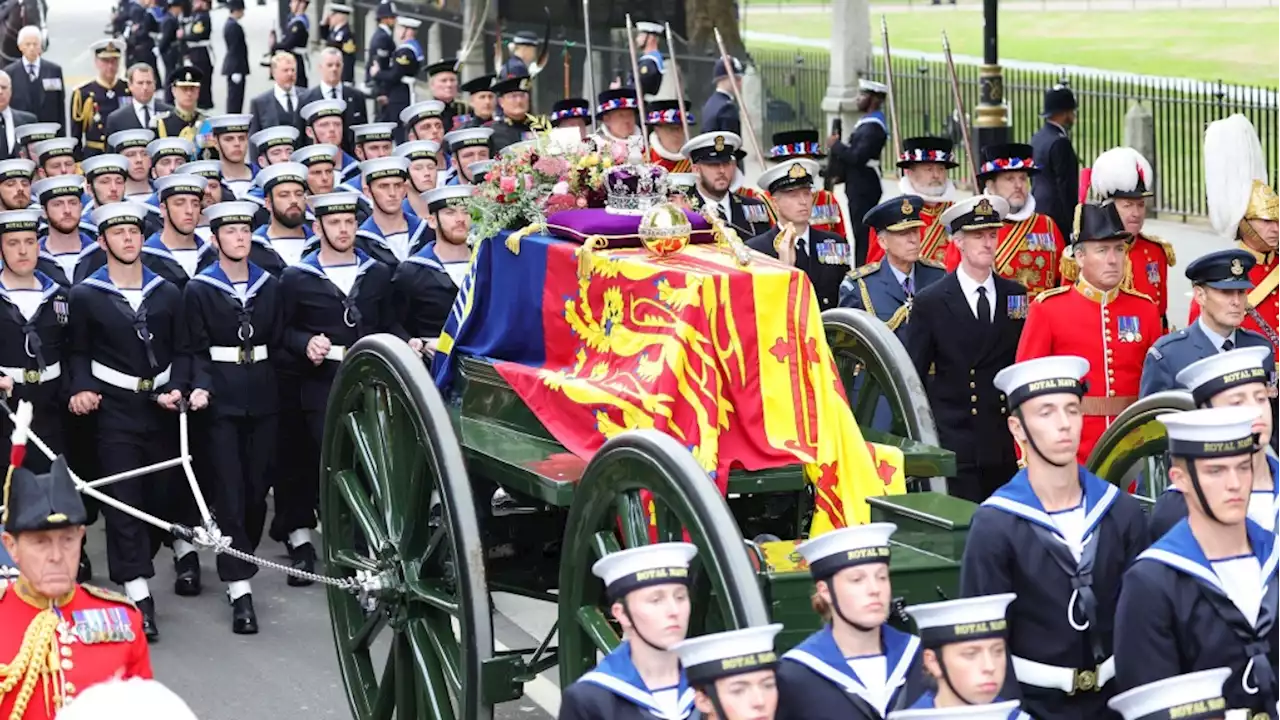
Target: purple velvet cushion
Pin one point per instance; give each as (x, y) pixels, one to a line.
(619, 230)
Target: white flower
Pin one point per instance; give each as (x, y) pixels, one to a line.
(560, 188)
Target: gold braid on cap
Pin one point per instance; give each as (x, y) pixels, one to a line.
(37, 657)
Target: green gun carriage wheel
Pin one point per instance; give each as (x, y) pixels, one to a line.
(1136, 443)
(397, 506)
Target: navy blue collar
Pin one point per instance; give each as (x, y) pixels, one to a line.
(618, 675)
(1017, 498)
(155, 246)
(47, 287)
(87, 245)
(1179, 550)
(820, 654)
(214, 275)
(311, 263)
(415, 226)
(101, 279)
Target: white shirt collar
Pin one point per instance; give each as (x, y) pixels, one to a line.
(1214, 337)
(281, 93)
(970, 288)
(31, 66)
(902, 277)
(326, 89)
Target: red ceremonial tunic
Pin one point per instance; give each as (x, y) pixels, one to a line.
(934, 240)
(673, 166)
(98, 637)
(1028, 252)
(1112, 330)
(1147, 270)
(1263, 318)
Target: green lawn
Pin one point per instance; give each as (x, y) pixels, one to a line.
(1234, 45)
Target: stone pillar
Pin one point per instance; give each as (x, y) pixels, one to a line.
(850, 60)
(475, 64)
(752, 117)
(433, 43)
(1140, 134)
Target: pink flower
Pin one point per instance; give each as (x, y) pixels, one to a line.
(582, 202)
(560, 188)
(528, 182)
(507, 184)
(620, 152)
(553, 166)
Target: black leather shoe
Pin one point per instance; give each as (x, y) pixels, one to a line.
(244, 621)
(85, 573)
(302, 557)
(187, 584)
(147, 606)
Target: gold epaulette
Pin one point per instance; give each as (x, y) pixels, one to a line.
(1135, 293)
(1069, 269)
(863, 270)
(930, 262)
(1051, 292)
(108, 595)
(1168, 249)
(899, 316)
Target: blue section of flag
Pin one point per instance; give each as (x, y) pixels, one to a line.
(498, 311)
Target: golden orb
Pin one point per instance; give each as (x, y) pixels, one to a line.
(664, 229)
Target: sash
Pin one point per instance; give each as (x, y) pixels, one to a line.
(1265, 288)
(932, 240)
(1081, 583)
(1012, 243)
(1257, 646)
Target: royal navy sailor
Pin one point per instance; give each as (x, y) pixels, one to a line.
(733, 673)
(234, 315)
(231, 140)
(1204, 595)
(516, 124)
(653, 66)
(372, 141)
(326, 124)
(270, 146)
(68, 252)
(423, 157)
(167, 155)
(720, 112)
(478, 172)
(524, 52)
(129, 366)
(321, 163)
(467, 147)
(857, 667)
(335, 296)
(426, 284)
(133, 145)
(382, 44)
(235, 64)
(175, 252)
(170, 43)
(56, 156)
(286, 238)
(1238, 378)
(15, 183)
(93, 101)
(995, 711)
(105, 176)
(424, 121)
(197, 33)
(860, 158)
(712, 155)
(390, 235)
(1060, 538)
(1193, 696)
(648, 593)
(24, 136)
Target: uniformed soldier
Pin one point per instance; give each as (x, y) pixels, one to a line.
(443, 78)
(394, 86)
(104, 174)
(653, 66)
(326, 125)
(15, 183)
(795, 144)
(516, 124)
(44, 613)
(1220, 285)
(130, 368)
(132, 144)
(231, 141)
(1231, 144)
(55, 157)
(481, 101)
(389, 235)
(423, 121)
(68, 252)
(172, 45)
(860, 158)
(720, 112)
(339, 35)
(1059, 188)
(924, 163)
(382, 44)
(426, 284)
(733, 673)
(24, 136)
(682, 189)
(712, 155)
(285, 239)
(271, 146)
(965, 644)
(296, 39)
(618, 133)
(183, 120)
(1007, 710)
(33, 328)
(93, 101)
(886, 288)
(964, 329)
(576, 112)
(175, 252)
(521, 62)
(372, 141)
(1060, 538)
(167, 155)
(1203, 596)
(1031, 244)
(423, 157)
(821, 255)
(857, 667)
(478, 171)
(234, 315)
(1096, 318)
(333, 297)
(143, 34)
(235, 66)
(321, 161)
(467, 147)
(642, 676)
(196, 36)
(1193, 696)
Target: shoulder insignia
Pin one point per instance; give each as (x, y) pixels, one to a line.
(930, 262)
(1154, 352)
(862, 271)
(108, 595)
(1168, 249)
(349, 47)
(1136, 293)
(198, 28)
(1052, 292)
(900, 316)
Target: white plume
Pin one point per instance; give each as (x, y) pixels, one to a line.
(1118, 170)
(1233, 159)
(21, 424)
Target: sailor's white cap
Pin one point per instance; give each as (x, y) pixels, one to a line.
(208, 169)
(1223, 371)
(165, 146)
(273, 136)
(408, 22)
(713, 146)
(1194, 696)
(872, 86)
(798, 172)
(1211, 432)
(373, 132)
(322, 108)
(652, 28)
(833, 551)
(995, 711)
(448, 196)
(180, 184)
(1042, 376)
(318, 153)
(16, 168)
(952, 621)
(339, 8)
(272, 175)
(707, 658)
(26, 220)
(136, 137)
(682, 180)
(118, 213)
(421, 110)
(975, 213)
(54, 147)
(478, 170)
(384, 167)
(231, 123)
(335, 203)
(639, 567)
(231, 213)
(57, 186)
(31, 131)
(418, 150)
(104, 164)
(468, 137)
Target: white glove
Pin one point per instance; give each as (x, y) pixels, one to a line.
(237, 78)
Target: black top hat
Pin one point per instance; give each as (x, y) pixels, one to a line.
(1058, 98)
(1223, 269)
(1009, 157)
(895, 214)
(796, 143)
(484, 83)
(516, 83)
(42, 502)
(570, 108)
(927, 150)
(623, 98)
(1098, 222)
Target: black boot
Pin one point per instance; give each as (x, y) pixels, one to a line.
(147, 606)
(244, 621)
(302, 557)
(187, 567)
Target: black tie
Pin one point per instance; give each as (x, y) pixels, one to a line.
(4, 136)
(31, 72)
(1228, 346)
(333, 93)
(984, 306)
(146, 116)
(288, 104)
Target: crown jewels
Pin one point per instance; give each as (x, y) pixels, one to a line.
(634, 187)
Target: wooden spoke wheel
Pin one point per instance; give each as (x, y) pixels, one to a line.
(885, 392)
(725, 584)
(397, 509)
(1136, 442)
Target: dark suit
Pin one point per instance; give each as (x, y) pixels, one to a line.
(1057, 187)
(268, 112)
(126, 117)
(357, 112)
(817, 261)
(720, 114)
(45, 97)
(19, 118)
(860, 159)
(235, 64)
(958, 357)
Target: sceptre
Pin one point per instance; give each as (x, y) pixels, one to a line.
(888, 81)
(737, 97)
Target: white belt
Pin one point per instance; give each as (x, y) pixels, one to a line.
(115, 378)
(238, 355)
(336, 352)
(200, 44)
(21, 376)
(874, 164)
(1068, 680)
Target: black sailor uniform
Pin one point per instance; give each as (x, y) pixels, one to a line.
(614, 690)
(32, 354)
(424, 288)
(817, 682)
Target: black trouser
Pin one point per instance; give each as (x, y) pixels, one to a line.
(131, 543)
(235, 95)
(242, 452)
(48, 415)
(975, 482)
(859, 204)
(297, 462)
(199, 57)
